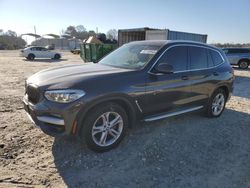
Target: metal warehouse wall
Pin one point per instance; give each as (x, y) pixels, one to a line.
(128, 35)
(177, 35)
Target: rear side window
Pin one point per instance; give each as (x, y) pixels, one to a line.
(237, 51)
(198, 58)
(209, 59)
(216, 57)
(177, 57)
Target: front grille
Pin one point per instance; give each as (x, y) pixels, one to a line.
(33, 94)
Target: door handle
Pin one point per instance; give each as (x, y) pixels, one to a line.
(184, 77)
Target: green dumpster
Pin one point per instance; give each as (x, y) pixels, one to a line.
(94, 52)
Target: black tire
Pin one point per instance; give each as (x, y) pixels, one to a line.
(94, 117)
(57, 56)
(209, 111)
(31, 57)
(243, 64)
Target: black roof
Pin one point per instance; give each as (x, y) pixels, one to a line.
(164, 42)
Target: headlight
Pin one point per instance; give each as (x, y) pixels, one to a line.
(64, 96)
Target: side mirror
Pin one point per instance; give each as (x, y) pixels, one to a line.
(164, 68)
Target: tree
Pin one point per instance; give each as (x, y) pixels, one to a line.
(80, 29)
(9, 41)
(81, 32)
(11, 33)
(92, 33)
(1, 31)
(71, 30)
(112, 34)
(102, 37)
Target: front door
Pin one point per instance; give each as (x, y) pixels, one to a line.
(165, 92)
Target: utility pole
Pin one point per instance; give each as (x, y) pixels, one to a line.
(35, 32)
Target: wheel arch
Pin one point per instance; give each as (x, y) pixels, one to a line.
(244, 59)
(31, 54)
(125, 103)
(223, 87)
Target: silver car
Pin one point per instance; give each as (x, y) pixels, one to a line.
(238, 56)
(39, 52)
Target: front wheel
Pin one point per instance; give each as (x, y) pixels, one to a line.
(216, 104)
(243, 64)
(105, 127)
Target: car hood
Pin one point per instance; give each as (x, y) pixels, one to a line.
(66, 76)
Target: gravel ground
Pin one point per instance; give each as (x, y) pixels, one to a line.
(184, 151)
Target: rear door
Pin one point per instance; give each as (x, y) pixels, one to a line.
(45, 53)
(165, 92)
(203, 71)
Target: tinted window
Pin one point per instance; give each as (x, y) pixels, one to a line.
(209, 59)
(216, 57)
(238, 51)
(225, 51)
(44, 49)
(177, 57)
(34, 48)
(198, 58)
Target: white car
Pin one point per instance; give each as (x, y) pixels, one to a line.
(39, 52)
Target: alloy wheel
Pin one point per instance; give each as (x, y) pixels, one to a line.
(107, 128)
(218, 104)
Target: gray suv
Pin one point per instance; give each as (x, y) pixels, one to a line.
(145, 80)
(238, 56)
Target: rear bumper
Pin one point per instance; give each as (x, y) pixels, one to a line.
(52, 118)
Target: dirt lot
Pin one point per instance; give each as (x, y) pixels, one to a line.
(184, 151)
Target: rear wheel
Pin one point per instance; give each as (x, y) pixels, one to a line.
(31, 57)
(243, 64)
(216, 104)
(104, 127)
(57, 56)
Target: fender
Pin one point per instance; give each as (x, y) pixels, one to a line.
(133, 111)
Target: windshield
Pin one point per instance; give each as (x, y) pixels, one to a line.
(131, 56)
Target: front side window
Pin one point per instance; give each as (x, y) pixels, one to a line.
(131, 56)
(198, 58)
(177, 57)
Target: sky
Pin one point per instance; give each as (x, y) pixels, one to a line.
(222, 20)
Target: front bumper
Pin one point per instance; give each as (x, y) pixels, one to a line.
(54, 119)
